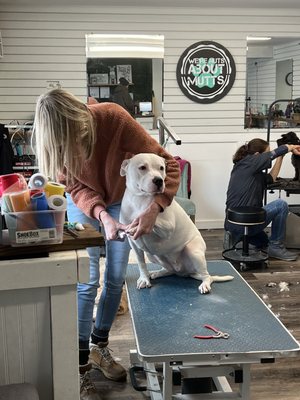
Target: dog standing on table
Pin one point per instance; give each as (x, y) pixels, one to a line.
(292, 138)
(175, 243)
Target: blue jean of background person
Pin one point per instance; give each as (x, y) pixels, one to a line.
(117, 254)
(276, 212)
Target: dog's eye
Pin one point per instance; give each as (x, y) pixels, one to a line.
(142, 167)
(162, 168)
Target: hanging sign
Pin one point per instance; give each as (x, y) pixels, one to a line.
(205, 72)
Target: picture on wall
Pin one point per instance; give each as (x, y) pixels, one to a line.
(124, 71)
(98, 79)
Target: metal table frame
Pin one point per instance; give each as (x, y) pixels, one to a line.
(156, 313)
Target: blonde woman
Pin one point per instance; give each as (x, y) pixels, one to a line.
(83, 146)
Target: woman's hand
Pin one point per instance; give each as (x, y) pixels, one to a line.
(296, 150)
(144, 223)
(111, 226)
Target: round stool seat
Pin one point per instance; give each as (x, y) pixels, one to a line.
(246, 215)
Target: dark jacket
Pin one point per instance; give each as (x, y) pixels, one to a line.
(249, 179)
(122, 97)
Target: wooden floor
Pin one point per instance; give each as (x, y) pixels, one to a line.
(278, 381)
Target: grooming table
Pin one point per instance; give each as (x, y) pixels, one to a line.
(287, 184)
(167, 316)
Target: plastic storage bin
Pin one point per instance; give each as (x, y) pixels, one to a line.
(31, 228)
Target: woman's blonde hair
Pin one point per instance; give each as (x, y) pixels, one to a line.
(63, 133)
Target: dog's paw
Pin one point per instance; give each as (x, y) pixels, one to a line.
(154, 275)
(160, 273)
(205, 286)
(143, 282)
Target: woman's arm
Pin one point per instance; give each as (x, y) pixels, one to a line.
(276, 168)
(278, 162)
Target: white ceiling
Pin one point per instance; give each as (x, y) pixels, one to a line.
(291, 4)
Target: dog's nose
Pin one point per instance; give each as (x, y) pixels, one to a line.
(158, 182)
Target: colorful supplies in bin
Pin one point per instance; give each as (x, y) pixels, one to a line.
(39, 202)
(54, 188)
(23, 229)
(31, 216)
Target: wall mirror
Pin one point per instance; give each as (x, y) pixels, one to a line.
(273, 65)
(138, 59)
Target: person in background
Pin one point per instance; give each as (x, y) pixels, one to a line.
(122, 97)
(247, 185)
(83, 147)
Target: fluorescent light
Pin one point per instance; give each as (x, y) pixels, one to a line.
(249, 38)
(146, 49)
(122, 37)
(109, 45)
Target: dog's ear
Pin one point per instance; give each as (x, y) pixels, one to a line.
(280, 142)
(124, 166)
(284, 139)
(293, 138)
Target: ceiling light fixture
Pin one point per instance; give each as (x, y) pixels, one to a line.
(252, 38)
(110, 45)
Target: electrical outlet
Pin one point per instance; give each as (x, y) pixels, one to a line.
(53, 85)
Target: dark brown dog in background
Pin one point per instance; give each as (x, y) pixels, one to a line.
(292, 138)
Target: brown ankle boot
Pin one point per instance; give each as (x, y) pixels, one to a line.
(87, 388)
(101, 359)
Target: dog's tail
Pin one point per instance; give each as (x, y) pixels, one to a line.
(221, 278)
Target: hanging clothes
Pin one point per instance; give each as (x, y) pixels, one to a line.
(6, 152)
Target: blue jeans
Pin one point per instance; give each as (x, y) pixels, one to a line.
(117, 254)
(276, 212)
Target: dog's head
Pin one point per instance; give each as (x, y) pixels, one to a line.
(288, 138)
(145, 174)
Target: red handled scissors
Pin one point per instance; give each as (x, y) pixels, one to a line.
(218, 334)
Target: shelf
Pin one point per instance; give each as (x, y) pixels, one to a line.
(105, 84)
(21, 167)
(18, 126)
(102, 84)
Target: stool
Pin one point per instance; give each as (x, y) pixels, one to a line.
(245, 216)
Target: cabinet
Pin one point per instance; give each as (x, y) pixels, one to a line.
(146, 121)
(101, 92)
(38, 322)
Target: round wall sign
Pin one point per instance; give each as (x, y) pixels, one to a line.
(289, 79)
(205, 72)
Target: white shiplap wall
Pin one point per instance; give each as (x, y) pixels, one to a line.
(47, 43)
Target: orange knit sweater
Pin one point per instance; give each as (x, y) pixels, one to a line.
(119, 137)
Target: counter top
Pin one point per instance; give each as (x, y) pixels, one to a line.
(89, 237)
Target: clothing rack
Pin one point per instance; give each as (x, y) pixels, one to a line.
(18, 126)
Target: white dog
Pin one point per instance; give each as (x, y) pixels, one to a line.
(175, 243)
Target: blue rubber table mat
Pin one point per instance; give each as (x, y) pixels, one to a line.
(166, 317)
